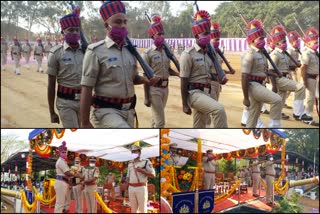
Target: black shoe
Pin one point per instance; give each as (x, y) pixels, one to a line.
(284, 116)
(305, 117)
(288, 107)
(242, 124)
(296, 117)
(265, 112)
(311, 123)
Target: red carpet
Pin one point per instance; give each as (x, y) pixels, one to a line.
(244, 198)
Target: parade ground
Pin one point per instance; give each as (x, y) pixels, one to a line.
(26, 95)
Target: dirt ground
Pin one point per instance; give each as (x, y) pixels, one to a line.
(24, 101)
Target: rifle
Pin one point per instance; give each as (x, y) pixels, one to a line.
(84, 41)
(297, 23)
(212, 55)
(166, 49)
(231, 70)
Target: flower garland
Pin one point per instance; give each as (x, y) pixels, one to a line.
(28, 208)
(227, 156)
(265, 134)
(226, 195)
(241, 153)
(58, 132)
(253, 152)
(166, 180)
(256, 133)
(246, 131)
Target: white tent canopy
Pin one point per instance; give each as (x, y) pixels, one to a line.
(219, 140)
(109, 143)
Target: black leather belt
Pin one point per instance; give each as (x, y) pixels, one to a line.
(68, 93)
(200, 86)
(312, 76)
(117, 103)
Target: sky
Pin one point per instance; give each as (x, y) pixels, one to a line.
(22, 134)
(210, 6)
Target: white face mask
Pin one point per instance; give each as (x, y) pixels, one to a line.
(77, 164)
(134, 156)
(91, 164)
(271, 159)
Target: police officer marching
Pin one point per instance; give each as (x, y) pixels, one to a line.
(111, 71)
(91, 175)
(254, 68)
(16, 52)
(156, 96)
(47, 47)
(196, 75)
(310, 70)
(4, 49)
(38, 54)
(139, 170)
(27, 49)
(65, 68)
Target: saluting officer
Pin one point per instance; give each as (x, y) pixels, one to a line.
(174, 157)
(139, 170)
(310, 70)
(196, 75)
(253, 67)
(4, 49)
(65, 67)
(26, 49)
(91, 175)
(16, 55)
(209, 166)
(111, 70)
(38, 54)
(284, 84)
(156, 96)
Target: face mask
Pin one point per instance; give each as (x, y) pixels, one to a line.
(283, 46)
(92, 164)
(297, 44)
(77, 164)
(204, 40)
(134, 156)
(71, 38)
(272, 46)
(260, 44)
(315, 47)
(216, 45)
(118, 34)
(271, 159)
(39, 43)
(158, 42)
(63, 155)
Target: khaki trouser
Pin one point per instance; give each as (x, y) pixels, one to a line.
(90, 198)
(203, 105)
(112, 118)
(27, 58)
(159, 98)
(255, 182)
(39, 61)
(269, 194)
(258, 94)
(138, 197)
(311, 92)
(69, 112)
(16, 59)
(209, 180)
(62, 196)
(3, 60)
(284, 85)
(215, 90)
(78, 197)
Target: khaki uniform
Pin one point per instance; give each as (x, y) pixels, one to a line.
(78, 191)
(310, 59)
(16, 53)
(209, 172)
(317, 94)
(110, 72)
(255, 177)
(296, 56)
(269, 50)
(111, 179)
(90, 189)
(38, 53)
(247, 176)
(47, 49)
(254, 63)
(270, 173)
(197, 67)
(26, 49)
(174, 160)
(66, 64)
(4, 49)
(285, 84)
(138, 182)
(61, 187)
(160, 64)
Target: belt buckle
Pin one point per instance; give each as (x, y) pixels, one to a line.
(126, 106)
(77, 96)
(164, 83)
(206, 90)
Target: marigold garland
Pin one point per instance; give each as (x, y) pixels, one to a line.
(266, 134)
(58, 132)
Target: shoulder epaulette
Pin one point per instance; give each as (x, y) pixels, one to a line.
(55, 48)
(95, 45)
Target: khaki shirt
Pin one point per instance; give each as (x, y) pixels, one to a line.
(208, 165)
(295, 55)
(38, 49)
(255, 167)
(108, 70)
(27, 49)
(253, 62)
(174, 160)
(269, 50)
(61, 167)
(158, 61)
(269, 168)
(111, 178)
(90, 173)
(66, 64)
(280, 59)
(4, 47)
(80, 170)
(310, 59)
(47, 47)
(196, 65)
(16, 49)
(132, 175)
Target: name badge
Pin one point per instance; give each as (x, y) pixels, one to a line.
(156, 57)
(126, 106)
(164, 83)
(67, 59)
(112, 59)
(206, 90)
(199, 59)
(77, 96)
